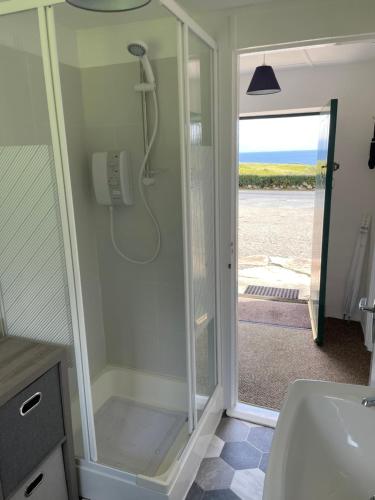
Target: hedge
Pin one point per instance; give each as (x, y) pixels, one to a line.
(277, 182)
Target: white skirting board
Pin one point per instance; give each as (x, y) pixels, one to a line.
(98, 482)
(254, 414)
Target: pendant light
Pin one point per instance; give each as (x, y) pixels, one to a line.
(108, 5)
(264, 81)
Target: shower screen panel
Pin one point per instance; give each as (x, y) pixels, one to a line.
(32, 261)
(35, 302)
(202, 217)
(133, 304)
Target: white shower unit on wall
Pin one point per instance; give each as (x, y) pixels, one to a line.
(83, 120)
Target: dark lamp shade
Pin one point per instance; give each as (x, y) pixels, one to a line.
(108, 5)
(263, 82)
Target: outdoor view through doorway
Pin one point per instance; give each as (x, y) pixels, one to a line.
(283, 162)
(278, 157)
(277, 172)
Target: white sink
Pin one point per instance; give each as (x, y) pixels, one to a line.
(324, 444)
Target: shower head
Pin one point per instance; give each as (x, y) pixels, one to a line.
(139, 49)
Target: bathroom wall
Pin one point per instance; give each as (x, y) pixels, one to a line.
(354, 183)
(106, 45)
(82, 196)
(79, 163)
(143, 306)
(135, 314)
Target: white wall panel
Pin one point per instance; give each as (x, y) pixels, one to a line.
(353, 190)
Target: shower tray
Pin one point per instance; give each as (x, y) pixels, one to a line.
(135, 437)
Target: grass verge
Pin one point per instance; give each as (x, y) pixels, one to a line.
(276, 176)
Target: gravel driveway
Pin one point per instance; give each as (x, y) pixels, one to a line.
(275, 236)
(275, 223)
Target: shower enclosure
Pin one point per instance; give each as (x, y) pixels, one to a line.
(144, 339)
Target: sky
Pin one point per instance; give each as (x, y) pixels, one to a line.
(279, 134)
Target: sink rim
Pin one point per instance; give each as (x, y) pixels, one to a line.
(298, 392)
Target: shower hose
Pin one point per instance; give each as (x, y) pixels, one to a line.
(143, 197)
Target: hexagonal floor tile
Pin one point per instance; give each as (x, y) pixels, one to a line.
(231, 429)
(214, 474)
(195, 493)
(261, 438)
(215, 448)
(220, 495)
(241, 455)
(264, 462)
(248, 484)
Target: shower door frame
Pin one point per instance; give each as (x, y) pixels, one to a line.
(47, 38)
(186, 25)
(53, 85)
(14, 6)
(50, 60)
(197, 443)
(60, 144)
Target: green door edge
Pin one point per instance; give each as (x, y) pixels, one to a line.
(326, 223)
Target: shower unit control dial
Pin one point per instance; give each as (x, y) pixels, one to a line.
(111, 175)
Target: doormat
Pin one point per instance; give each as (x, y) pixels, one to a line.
(283, 313)
(270, 291)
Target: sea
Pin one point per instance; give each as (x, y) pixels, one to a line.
(305, 157)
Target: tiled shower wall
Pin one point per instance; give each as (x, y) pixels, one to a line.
(85, 222)
(143, 306)
(134, 314)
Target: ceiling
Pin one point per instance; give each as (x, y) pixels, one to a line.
(344, 53)
(218, 4)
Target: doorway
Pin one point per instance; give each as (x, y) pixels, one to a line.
(276, 340)
(277, 165)
(277, 173)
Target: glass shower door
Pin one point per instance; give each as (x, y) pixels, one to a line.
(201, 170)
(34, 287)
(134, 314)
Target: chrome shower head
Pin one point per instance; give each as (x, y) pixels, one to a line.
(137, 49)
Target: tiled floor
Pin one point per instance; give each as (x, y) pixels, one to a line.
(235, 464)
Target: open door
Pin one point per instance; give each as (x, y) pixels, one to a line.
(322, 213)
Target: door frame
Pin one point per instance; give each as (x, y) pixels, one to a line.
(186, 25)
(235, 408)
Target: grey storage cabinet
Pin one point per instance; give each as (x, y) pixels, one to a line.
(36, 452)
(47, 482)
